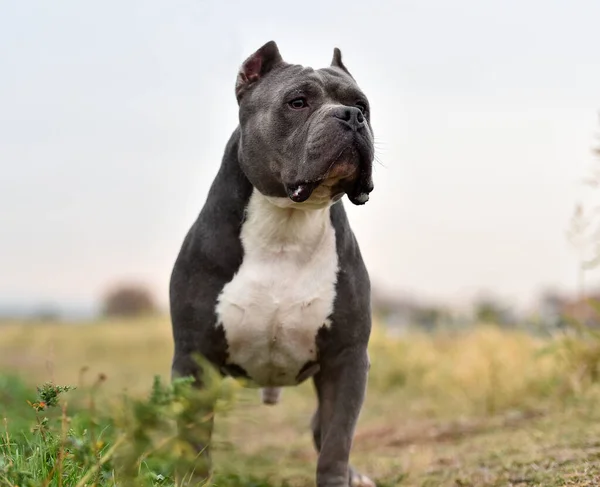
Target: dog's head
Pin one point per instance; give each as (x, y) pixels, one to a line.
(305, 134)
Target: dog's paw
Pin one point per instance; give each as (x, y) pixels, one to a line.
(271, 395)
(359, 480)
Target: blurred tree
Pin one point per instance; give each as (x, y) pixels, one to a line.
(584, 236)
(430, 317)
(490, 310)
(128, 301)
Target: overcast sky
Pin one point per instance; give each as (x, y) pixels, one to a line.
(114, 116)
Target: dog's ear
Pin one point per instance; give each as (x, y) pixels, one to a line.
(256, 67)
(336, 62)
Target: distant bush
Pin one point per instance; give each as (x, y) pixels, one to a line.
(128, 301)
(490, 310)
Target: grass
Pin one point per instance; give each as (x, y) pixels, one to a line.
(484, 407)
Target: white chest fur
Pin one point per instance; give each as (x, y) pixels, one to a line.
(283, 292)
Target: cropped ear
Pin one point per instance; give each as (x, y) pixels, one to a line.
(336, 62)
(256, 67)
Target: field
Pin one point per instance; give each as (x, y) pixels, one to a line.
(483, 407)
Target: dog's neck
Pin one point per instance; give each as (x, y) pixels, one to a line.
(275, 228)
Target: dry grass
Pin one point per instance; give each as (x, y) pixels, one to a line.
(478, 408)
(128, 352)
(479, 367)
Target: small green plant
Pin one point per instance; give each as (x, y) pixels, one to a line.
(138, 444)
(48, 395)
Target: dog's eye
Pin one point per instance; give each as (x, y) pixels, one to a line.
(362, 107)
(298, 103)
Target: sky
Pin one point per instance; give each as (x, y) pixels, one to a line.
(114, 117)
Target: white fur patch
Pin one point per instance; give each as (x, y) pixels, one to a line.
(283, 292)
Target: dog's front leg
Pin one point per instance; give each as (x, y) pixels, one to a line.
(340, 385)
(195, 432)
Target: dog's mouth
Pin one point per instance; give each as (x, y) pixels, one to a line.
(349, 173)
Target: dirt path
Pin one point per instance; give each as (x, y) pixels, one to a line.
(515, 449)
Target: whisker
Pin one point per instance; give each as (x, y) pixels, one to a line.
(378, 160)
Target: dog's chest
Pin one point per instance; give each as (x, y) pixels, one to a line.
(282, 294)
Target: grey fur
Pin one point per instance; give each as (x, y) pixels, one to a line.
(276, 149)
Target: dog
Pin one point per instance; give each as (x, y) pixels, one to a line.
(269, 285)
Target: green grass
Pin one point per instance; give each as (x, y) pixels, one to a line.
(481, 408)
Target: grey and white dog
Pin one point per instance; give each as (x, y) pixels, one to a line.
(270, 284)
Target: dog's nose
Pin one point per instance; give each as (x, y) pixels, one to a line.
(352, 117)
(300, 192)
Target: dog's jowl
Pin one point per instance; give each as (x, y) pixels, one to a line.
(269, 284)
